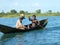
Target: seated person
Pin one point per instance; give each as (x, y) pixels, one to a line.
(19, 24)
(35, 22)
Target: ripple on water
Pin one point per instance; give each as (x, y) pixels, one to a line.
(50, 36)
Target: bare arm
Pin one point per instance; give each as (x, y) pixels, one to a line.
(17, 24)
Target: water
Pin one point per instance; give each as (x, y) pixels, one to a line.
(50, 36)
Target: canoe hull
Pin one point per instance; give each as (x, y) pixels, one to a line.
(8, 29)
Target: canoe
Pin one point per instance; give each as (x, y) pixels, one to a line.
(7, 29)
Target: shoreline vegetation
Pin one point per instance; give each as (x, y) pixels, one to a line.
(14, 13)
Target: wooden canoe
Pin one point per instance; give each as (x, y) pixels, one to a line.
(7, 29)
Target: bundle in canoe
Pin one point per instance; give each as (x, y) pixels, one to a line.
(7, 29)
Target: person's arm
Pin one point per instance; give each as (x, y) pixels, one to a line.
(17, 24)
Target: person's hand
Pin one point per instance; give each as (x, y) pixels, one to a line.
(44, 28)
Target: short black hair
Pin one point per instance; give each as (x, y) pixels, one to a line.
(34, 15)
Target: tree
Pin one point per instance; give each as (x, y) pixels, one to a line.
(2, 12)
(26, 12)
(22, 12)
(58, 12)
(13, 11)
(49, 11)
(38, 11)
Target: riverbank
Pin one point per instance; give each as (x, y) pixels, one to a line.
(38, 15)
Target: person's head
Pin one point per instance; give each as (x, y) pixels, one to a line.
(34, 16)
(22, 16)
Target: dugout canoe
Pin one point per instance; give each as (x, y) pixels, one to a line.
(7, 29)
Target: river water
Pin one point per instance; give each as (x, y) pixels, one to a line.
(50, 36)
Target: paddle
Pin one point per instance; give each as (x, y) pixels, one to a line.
(43, 24)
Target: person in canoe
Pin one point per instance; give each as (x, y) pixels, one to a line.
(35, 22)
(19, 24)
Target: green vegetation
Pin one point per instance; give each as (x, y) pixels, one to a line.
(14, 13)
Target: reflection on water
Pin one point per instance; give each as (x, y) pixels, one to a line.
(40, 37)
(50, 36)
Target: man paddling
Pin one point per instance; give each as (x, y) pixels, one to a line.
(35, 22)
(19, 24)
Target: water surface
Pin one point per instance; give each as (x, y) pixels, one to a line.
(50, 36)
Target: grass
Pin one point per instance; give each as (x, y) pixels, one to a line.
(38, 15)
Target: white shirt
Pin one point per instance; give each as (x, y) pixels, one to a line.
(19, 24)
